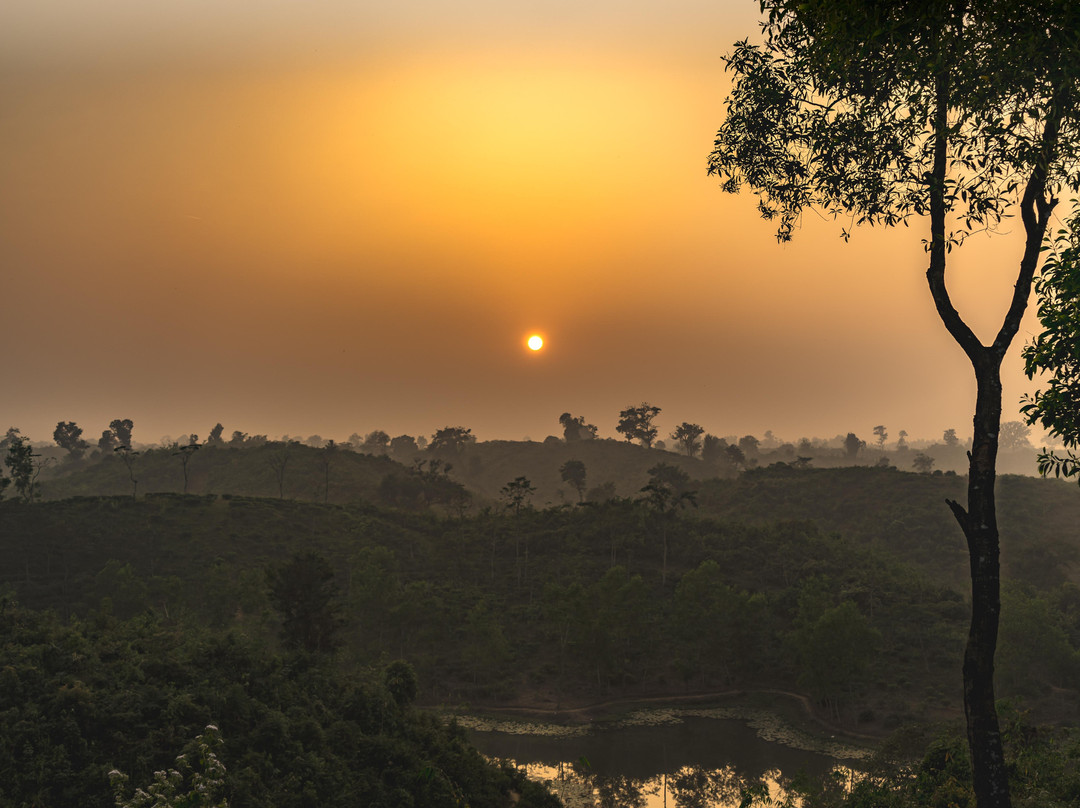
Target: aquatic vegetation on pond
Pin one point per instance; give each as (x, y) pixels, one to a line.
(767, 725)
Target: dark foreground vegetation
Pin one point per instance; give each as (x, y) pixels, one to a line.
(85, 700)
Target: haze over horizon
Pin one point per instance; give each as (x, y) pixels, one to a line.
(337, 217)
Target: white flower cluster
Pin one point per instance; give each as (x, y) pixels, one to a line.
(206, 777)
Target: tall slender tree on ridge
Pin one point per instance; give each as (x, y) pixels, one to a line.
(960, 110)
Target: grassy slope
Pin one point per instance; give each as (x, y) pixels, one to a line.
(906, 514)
(901, 513)
(486, 467)
(226, 470)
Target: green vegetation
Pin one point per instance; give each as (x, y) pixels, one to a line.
(584, 602)
(88, 705)
(936, 771)
(860, 607)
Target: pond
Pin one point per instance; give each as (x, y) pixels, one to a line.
(681, 757)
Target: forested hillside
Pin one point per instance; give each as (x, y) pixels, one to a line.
(304, 572)
(574, 603)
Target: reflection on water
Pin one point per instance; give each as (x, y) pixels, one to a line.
(670, 758)
(689, 787)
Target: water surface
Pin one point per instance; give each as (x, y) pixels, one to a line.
(680, 757)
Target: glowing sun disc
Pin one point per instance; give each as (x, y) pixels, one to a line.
(535, 342)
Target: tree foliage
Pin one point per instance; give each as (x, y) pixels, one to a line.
(575, 428)
(573, 473)
(121, 429)
(22, 467)
(376, 442)
(89, 708)
(636, 423)
(1055, 352)
(839, 109)
(195, 782)
(688, 436)
(879, 112)
(451, 440)
(517, 494)
(852, 445)
(304, 593)
(68, 436)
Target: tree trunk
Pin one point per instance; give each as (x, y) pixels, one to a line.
(979, 521)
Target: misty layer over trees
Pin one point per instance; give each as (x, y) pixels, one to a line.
(546, 574)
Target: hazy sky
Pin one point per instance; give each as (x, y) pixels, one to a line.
(334, 216)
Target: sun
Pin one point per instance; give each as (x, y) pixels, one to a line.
(535, 342)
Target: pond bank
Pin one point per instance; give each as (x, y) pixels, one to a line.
(793, 708)
(775, 716)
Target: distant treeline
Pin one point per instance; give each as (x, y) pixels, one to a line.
(709, 454)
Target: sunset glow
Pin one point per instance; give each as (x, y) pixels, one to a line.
(321, 197)
(535, 343)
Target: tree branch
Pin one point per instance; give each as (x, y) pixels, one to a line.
(960, 514)
(1035, 210)
(935, 274)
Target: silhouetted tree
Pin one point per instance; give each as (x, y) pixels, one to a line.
(185, 453)
(517, 494)
(403, 445)
(880, 112)
(20, 461)
(749, 445)
(121, 428)
(922, 463)
(107, 442)
(882, 435)
(68, 436)
(451, 440)
(214, 438)
(279, 461)
(636, 423)
(575, 428)
(950, 439)
(688, 436)
(713, 448)
(127, 456)
(852, 445)
(573, 472)
(12, 433)
(326, 459)
(668, 490)
(375, 442)
(1014, 436)
(901, 441)
(303, 592)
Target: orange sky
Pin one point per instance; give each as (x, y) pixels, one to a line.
(335, 217)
